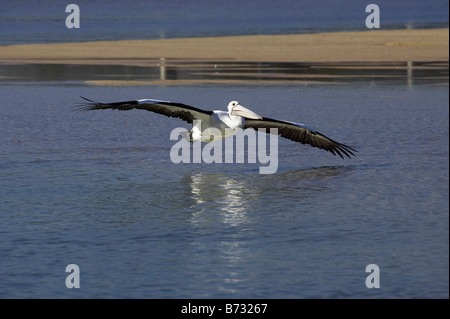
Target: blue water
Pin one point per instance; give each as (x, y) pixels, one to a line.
(99, 190)
(44, 21)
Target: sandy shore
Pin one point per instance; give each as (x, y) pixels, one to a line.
(364, 46)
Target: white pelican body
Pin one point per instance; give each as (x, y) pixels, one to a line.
(212, 125)
(221, 124)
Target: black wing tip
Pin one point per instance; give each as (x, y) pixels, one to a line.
(337, 148)
(86, 106)
(85, 98)
(342, 149)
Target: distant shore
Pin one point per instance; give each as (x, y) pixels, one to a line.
(339, 47)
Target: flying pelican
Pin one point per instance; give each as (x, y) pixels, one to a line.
(229, 123)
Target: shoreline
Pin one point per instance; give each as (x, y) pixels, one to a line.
(426, 45)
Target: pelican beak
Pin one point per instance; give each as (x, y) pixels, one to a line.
(239, 110)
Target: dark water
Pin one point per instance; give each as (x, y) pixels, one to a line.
(24, 22)
(99, 190)
(405, 73)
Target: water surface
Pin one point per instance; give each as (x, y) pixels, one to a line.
(22, 22)
(99, 190)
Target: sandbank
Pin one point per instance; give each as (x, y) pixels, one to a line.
(338, 47)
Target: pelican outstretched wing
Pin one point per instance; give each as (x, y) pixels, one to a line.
(167, 108)
(301, 133)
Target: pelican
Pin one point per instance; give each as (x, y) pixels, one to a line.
(229, 123)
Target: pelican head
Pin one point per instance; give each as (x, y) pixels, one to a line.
(235, 109)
